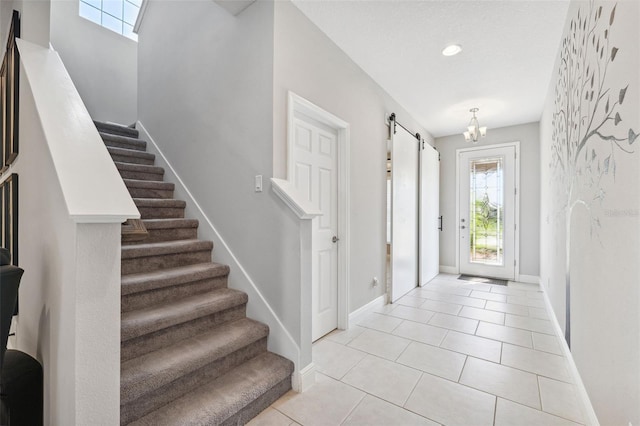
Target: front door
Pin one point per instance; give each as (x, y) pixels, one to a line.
(315, 162)
(487, 211)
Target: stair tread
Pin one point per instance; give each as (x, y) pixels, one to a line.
(219, 399)
(139, 167)
(170, 223)
(131, 152)
(149, 184)
(115, 127)
(164, 247)
(144, 281)
(139, 144)
(159, 202)
(157, 317)
(159, 368)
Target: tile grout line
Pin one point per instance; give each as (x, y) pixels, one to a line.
(293, 420)
(354, 407)
(462, 370)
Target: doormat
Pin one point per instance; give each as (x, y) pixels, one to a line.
(482, 280)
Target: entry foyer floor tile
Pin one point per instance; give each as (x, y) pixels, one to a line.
(457, 369)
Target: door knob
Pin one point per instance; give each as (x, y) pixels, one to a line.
(462, 227)
(335, 239)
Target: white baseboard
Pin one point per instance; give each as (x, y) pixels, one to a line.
(529, 279)
(304, 379)
(280, 340)
(378, 302)
(592, 419)
(448, 269)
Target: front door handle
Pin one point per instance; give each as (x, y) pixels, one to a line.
(335, 239)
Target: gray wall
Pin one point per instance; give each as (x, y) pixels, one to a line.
(206, 97)
(219, 115)
(6, 9)
(589, 205)
(309, 64)
(34, 20)
(529, 223)
(102, 63)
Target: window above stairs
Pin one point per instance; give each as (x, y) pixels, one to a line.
(116, 15)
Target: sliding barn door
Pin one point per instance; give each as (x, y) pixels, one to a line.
(404, 213)
(429, 214)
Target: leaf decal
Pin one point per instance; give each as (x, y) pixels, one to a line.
(593, 154)
(617, 119)
(632, 136)
(599, 12)
(614, 51)
(622, 93)
(613, 14)
(606, 107)
(606, 164)
(606, 34)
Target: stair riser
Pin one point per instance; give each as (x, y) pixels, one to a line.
(172, 260)
(132, 159)
(136, 146)
(161, 212)
(130, 174)
(150, 193)
(161, 396)
(259, 404)
(117, 130)
(153, 341)
(144, 299)
(170, 234)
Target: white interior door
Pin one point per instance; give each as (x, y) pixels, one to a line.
(487, 211)
(429, 213)
(404, 214)
(315, 162)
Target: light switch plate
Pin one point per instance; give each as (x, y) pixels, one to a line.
(258, 183)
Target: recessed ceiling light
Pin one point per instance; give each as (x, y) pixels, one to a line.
(452, 49)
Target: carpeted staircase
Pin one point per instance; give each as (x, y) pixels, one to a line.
(189, 354)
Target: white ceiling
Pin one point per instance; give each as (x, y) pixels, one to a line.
(509, 49)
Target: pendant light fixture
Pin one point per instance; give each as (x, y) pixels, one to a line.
(474, 131)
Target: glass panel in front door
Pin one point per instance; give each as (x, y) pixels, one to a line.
(486, 233)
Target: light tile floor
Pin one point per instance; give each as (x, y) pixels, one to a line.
(452, 352)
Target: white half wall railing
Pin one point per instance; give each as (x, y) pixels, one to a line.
(72, 202)
(305, 211)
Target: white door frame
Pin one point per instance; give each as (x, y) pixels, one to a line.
(295, 104)
(516, 236)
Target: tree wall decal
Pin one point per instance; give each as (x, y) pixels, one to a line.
(589, 131)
